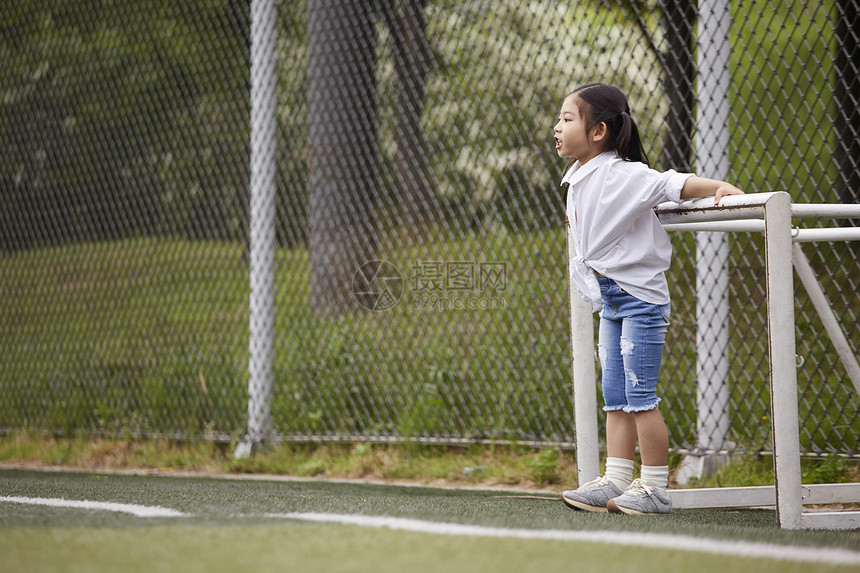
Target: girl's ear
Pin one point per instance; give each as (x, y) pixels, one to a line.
(599, 132)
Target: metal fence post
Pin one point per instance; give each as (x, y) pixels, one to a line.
(262, 232)
(712, 248)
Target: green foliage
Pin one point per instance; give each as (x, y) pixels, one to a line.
(751, 471)
(491, 108)
(114, 108)
(545, 466)
(831, 469)
(758, 471)
(131, 118)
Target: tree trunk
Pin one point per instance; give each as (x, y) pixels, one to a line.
(342, 154)
(679, 17)
(411, 166)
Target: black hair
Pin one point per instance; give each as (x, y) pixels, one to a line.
(608, 104)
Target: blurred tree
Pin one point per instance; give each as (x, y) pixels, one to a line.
(343, 158)
(342, 148)
(122, 119)
(413, 184)
(677, 21)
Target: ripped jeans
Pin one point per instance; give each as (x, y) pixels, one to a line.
(630, 347)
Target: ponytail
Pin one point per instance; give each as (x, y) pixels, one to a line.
(608, 104)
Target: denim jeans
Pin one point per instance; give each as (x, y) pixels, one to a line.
(630, 347)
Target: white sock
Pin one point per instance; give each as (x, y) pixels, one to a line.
(619, 471)
(657, 475)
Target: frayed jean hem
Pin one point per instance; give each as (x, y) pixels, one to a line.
(632, 409)
(645, 408)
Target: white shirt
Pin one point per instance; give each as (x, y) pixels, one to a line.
(610, 207)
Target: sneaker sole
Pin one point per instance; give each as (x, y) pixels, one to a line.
(613, 507)
(579, 506)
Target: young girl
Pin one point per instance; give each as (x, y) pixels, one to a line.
(622, 253)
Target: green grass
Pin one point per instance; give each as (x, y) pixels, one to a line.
(780, 97)
(514, 466)
(107, 339)
(122, 337)
(487, 465)
(335, 548)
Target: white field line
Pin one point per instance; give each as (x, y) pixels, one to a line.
(138, 510)
(747, 549)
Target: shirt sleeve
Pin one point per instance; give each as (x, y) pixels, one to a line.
(674, 184)
(649, 187)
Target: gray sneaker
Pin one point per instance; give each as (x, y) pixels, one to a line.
(641, 498)
(592, 496)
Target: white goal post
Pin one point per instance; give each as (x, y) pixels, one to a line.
(770, 213)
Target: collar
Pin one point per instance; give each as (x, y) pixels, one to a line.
(577, 171)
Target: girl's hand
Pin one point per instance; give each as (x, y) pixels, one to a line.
(725, 189)
(696, 187)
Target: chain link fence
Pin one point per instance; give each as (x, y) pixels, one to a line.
(419, 275)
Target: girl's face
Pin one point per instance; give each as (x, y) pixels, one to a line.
(572, 139)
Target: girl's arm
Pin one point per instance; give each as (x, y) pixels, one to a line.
(701, 187)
